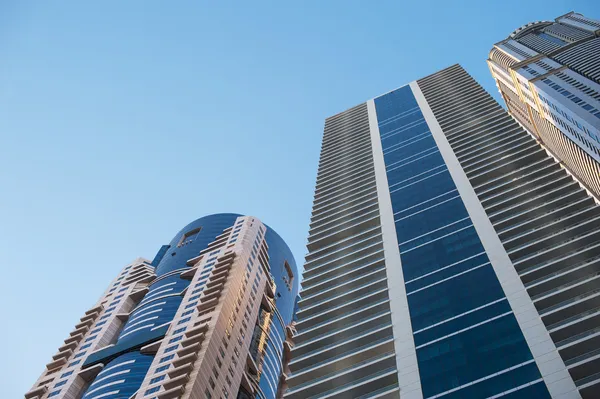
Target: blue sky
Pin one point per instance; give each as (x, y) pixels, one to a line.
(120, 122)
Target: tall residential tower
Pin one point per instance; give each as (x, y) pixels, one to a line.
(209, 317)
(449, 256)
(548, 73)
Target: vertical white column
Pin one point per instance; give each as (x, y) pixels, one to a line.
(409, 380)
(551, 366)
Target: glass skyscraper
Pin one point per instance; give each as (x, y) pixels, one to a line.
(449, 256)
(210, 317)
(548, 73)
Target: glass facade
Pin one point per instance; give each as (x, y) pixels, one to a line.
(467, 339)
(127, 367)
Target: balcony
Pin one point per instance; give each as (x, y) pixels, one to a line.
(334, 336)
(587, 253)
(337, 365)
(540, 226)
(343, 273)
(342, 286)
(352, 228)
(329, 326)
(346, 308)
(559, 249)
(343, 297)
(349, 256)
(571, 307)
(559, 234)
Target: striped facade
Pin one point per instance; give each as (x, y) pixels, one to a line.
(450, 256)
(211, 316)
(344, 345)
(548, 73)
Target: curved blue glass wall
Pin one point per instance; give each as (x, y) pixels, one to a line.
(121, 377)
(164, 296)
(285, 301)
(160, 304)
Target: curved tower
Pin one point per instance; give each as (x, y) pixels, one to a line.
(548, 73)
(210, 316)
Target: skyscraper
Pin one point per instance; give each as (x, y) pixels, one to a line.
(209, 317)
(549, 76)
(449, 256)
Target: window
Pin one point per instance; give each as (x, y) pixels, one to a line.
(184, 320)
(290, 275)
(79, 355)
(211, 382)
(151, 390)
(156, 379)
(94, 331)
(75, 363)
(101, 323)
(54, 393)
(85, 346)
(188, 312)
(162, 368)
(176, 339)
(189, 237)
(93, 337)
(68, 373)
(60, 384)
(179, 330)
(205, 273)
(207, 394)
(166, 359)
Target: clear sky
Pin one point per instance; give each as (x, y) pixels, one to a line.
(120, 122)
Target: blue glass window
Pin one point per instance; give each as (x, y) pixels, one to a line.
(162, 368)
(463, 326)
(176, 339)
(166, 358)
(152, 390)
(157, 379)
(472, 354)
(450, 298)
(179, 330)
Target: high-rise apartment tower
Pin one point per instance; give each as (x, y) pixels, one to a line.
(548, 73)
(210, 317)
(449, 256)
